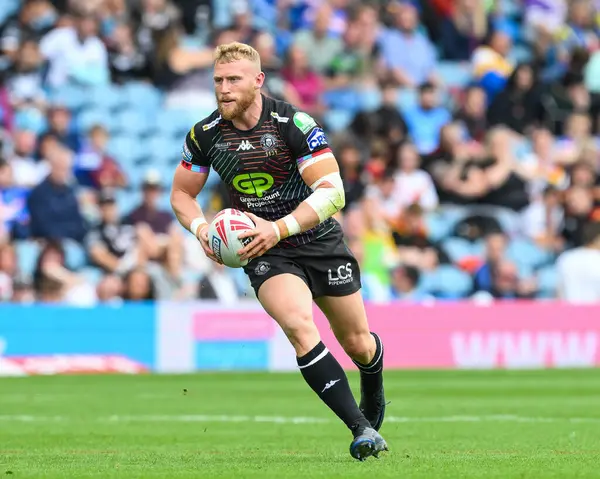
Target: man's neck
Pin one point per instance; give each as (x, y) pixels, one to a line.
(251, 116)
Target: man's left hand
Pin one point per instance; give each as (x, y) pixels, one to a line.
(264, 237)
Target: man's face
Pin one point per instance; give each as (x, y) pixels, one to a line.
(236, 87)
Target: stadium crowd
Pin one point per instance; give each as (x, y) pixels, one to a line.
(467, 134)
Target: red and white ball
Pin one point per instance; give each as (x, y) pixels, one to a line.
(223, 234)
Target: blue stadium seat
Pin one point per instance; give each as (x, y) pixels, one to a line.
(337, 120)
(439, 225)
(27, 254)
(454, 74)
(127, 199)
(131, 122)
(143, 97)
(451, 282)
(88, 118)
(164, 149)
(525, 252)
(127, 149)
(369, 100)
(71, 96)
(106, 97)
(175, 123)
(457, 248)
(75, 255)
(547, 278)
(9, 7)
(520, 54)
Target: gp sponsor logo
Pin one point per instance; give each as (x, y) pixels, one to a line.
(316, 138)
(253, 183)
(342, 275)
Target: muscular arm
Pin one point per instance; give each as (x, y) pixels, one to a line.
(187, 185)
(327, 198)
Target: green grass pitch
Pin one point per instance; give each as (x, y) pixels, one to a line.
(453, 424)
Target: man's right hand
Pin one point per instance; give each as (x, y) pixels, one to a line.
(203, 238)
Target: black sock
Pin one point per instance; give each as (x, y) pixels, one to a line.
(326, 377)
(371, 375)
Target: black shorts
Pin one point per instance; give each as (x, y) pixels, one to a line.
(326, 265)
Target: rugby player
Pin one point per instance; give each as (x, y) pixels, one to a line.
(281, 172)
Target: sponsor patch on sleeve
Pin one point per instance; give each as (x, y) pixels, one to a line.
(316, 139)
(186, 154)
(304, 122)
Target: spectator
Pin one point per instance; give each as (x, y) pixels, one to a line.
(411, 184)
(110, 289)
(472, 113)
(114, 246)
(543, 218)
(94, 167)
(54, 282)
(408, 55)
(138, 286)
(491, 67)
(8, 270)
(464, 30)
(158, 228)
(351, 169)
(25, 82)
(579, 204)
(14, 217)
(27, 172)
(405, 281)
(59, 123)
(579, 269)
(318, 45)
(519, 105)
(307, 83)
(127, 61)
(425, 120)
(53, 205)
(76, 54)
(219, 285)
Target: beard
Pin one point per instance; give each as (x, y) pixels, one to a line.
(235, 109)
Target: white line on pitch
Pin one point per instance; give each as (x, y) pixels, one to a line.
(295, 420)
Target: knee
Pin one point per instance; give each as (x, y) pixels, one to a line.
(359, 346)
(301, 331)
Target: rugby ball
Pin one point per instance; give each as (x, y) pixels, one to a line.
(223, 235)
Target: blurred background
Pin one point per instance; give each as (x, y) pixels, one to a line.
(466, 132)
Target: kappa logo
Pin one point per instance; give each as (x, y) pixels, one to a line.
(269, 144)
(245, 146)
(330, 384)
(262, 268)
(342, 275)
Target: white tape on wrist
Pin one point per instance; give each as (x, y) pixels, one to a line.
(196, 223)
(292, 225)
(277, 232)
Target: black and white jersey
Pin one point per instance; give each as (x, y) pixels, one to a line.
(261, 166)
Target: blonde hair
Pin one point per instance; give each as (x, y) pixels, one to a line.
(231, 52)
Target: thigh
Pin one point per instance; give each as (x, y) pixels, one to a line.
(288, 300)
(346, 315)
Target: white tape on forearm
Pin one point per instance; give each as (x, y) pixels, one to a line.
(277, 232)
(196, 223)
(327, 200)
(292, 225)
